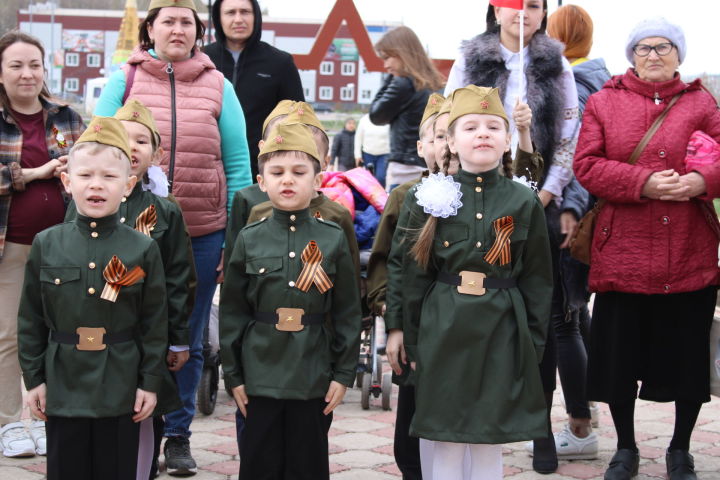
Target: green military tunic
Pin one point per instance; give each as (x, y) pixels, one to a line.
(321, 206)
(477, 356)
(260, 277)
(242, 203)
(172, 237)
(62, 290)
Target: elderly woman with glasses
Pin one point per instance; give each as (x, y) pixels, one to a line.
(654, 254)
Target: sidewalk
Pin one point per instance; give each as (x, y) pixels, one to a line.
(361, 445)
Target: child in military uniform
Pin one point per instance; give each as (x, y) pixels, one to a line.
(473, 292)
(92, 325)
(289, 322)
(161, 219)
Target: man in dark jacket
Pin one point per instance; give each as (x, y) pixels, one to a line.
(343, 148)
(261, 74)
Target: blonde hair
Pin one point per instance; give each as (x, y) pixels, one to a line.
(573, 26)
(401, 42)
(93, 149)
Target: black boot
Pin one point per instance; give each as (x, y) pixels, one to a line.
(624, 465)
(680, 465)
(544, 454)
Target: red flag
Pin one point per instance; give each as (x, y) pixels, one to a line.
(516, 4)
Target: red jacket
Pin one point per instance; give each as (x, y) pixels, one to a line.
(642, 245)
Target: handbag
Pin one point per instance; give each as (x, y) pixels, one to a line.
(581, 240)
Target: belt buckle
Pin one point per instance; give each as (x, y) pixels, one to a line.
(90, 339)
(289, 319)
(472, 283)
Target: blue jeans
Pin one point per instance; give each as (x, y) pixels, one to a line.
(380, 164)
(206, 250)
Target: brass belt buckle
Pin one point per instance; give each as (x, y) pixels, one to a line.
(90, 339)
(289, 319)
(472, 283)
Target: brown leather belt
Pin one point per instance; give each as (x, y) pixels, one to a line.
(290, 319)
(475, 283)
(91, 338)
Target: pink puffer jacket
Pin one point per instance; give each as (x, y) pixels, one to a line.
(198, 174)
(642, 245)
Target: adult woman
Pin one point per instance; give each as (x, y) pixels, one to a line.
(206, 160)
(401, 100)
(654, 253)
(493, 59)
(34, 133)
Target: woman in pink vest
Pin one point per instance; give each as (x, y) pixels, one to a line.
(205, 159)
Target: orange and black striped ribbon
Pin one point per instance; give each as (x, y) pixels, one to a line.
(312, 271)
(116, 275)
(317, 214)
(146, 221)
(501, 248)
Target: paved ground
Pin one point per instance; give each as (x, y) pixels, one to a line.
(361, 445)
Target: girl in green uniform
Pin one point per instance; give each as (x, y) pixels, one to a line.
(476, 289)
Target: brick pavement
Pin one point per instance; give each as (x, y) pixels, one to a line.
(361, 445)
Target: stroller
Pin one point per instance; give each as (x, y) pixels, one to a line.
(210, 377)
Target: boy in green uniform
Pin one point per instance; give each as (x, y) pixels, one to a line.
(92, 325)
(289, 318)
(156, 216)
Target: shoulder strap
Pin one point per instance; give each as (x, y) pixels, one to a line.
(653, 128)
(129, 82)
(643, 143)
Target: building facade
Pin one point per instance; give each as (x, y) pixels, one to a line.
(80, 43)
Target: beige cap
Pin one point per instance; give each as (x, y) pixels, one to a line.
(474, 99)
(299, 112)
(135, 111)
(172, 3)
(108, 131)
(291, 136)
(432, 107)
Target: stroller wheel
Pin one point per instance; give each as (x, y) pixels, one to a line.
(386, 390)
(207, 390)
(365, 394)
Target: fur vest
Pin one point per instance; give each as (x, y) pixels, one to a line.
(484, 66)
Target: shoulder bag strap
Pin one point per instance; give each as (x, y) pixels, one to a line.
(645, 140)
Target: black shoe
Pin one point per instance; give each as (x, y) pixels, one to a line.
(624, 465)
(178, 460)
(544, 456)
(680, 465)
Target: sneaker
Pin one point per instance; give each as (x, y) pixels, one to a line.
(178, 460)
(15, 441)
(37, 432)
(570, 447)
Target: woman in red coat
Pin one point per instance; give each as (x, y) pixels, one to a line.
(654, 253)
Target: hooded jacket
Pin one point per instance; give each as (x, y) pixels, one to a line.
(590, 76)
(262, 76)
(642, 245)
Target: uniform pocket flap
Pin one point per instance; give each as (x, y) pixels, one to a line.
(450, 233)
(520, 233)
(59, 275)
(261, 266)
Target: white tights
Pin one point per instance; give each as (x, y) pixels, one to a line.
(460, 461)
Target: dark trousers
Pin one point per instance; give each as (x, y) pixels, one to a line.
(406, 448)
(158, 429)
(285, 440)
(92, 448)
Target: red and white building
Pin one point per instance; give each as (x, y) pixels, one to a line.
(80, 42)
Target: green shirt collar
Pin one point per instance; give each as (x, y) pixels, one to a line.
(102, 225)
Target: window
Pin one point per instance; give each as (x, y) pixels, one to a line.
(364, 70)
(347, 94)
(347, 68)
(93, 60)
(72, 59)
(327, 68)
(326, 93)
(366, 94)
(72, 85)
(306, 92)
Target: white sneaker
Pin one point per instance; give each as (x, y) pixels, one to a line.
(15, 441)
(570, 447)
(37, 432)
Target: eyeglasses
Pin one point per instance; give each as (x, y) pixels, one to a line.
(661, 49)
